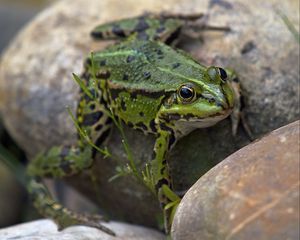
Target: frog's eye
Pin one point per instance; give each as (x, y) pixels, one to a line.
(223, 74)
(186, 93)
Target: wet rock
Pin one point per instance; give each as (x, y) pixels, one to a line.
(36, 85)
(252, 194)
(47, 230)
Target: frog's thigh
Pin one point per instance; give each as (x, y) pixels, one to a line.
(59, 162)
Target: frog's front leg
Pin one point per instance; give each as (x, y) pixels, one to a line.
(163, 185)
(56, 163)
(237, 114)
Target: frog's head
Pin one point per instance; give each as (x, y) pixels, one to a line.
(200, 102)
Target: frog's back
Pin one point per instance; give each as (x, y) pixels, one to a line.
(145, 66)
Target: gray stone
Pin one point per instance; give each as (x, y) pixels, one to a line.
(252, 194)
(47, 230)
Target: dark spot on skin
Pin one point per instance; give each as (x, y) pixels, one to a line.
(161, 182)
(162, 170)
(211, 100)
(123, 105)
(130, 58)
(175, 65)
(248, 47)
(91, 118)
(160, 29)
(142, 36)
(174, 116)
(172, 140)
(64, 152)
(114, 93)
(236, 79)
(133, 95)
(142, 126)
(85, 76)
(125, 77)
(188, 116)
(65, 166)
(92, 106)
(94, 93)
(141, 114)
(220, 3)
(97, 35)
(164, 162)
(160, 145)
(141, 26)
(100, 140)
(218, 104)
(108, 121)
(147, 75)
(103, 74)
(98, 127)
(118, 31)
(165, 128)
(152, 126)
(86, 98)
(88, 62)
(159, 52)
(173, 36)
(130, 124)
(103, 62)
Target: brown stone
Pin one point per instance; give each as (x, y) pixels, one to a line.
(252, 194)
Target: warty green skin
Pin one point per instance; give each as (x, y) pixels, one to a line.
(139, 82)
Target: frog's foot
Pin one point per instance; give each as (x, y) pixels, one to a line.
(69, 218)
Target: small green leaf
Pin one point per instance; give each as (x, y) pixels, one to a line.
(169, 193)
(82, 85)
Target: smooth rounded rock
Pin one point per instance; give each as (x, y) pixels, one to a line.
(252, 194)
(47, 230)
(36, 86)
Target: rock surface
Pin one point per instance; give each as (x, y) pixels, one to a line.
(252, 194)
(36, 85)
(47, 230)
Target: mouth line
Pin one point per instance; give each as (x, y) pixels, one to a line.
(218, 116)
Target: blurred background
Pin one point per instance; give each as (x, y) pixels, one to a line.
(14, 14)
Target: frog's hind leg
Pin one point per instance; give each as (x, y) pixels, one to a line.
(162, 27)
(56, 163)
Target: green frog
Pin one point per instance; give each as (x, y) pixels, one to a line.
(146, 83)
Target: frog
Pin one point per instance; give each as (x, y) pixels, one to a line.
(147, 83)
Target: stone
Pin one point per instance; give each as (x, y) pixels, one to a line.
(36, 86)
(252, 194)
(47, 230)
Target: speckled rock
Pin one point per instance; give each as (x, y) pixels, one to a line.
(252, 194)
(36, 86)
(47, 230)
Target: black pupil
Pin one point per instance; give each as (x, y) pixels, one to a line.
(186, 92)
(223, 74)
